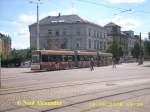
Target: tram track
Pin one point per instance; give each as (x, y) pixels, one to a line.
(122, 100)
(62, 85)
(3, 92)
(92, 99)
(98, 98)
(90, 93)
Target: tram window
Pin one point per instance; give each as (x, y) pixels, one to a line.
(77, 58)
(44, 58)
(58, 58)
(98, 58)
(65, 58)
(54, 58)
(82, 58)
(50, 58)
(70, 58)
(35, 58)
(86, 58)
(73, 58)
(94, 57)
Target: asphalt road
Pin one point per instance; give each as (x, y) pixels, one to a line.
(77, 88)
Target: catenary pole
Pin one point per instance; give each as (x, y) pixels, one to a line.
(38, 30)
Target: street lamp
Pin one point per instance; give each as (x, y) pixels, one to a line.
(37, 3)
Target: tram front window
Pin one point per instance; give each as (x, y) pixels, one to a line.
(35, 58)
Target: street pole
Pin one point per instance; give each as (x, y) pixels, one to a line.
(38, 34)
(140, 58)
(38, 47)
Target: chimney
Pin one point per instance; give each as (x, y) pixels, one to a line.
(59, 14)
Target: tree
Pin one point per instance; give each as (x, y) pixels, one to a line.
(120, 52)
(13, 59)
(28, 54)
(149, 35)
(147, 47)
(17, 57)
(137, 50)
(116, 49)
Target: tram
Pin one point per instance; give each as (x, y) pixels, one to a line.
(52, 60)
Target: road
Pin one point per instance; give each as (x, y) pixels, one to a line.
(79, 90)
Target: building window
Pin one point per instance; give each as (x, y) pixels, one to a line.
(64, 32)
(94, 33)
(63, 45)
(89, 43)
(100, 34)
(101, 46)
(57, 33)
(94, 44)
(77, 45)
(78, 32)
(89, 32)
(97, 44)
(104, 45)
(104, 35)
(97, 34)
(50, 32)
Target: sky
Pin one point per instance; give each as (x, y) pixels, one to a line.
(17, 15)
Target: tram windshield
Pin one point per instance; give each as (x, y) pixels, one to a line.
(35, 57)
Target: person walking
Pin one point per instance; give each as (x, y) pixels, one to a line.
(92, 64)
(57, 66)
(114, 62)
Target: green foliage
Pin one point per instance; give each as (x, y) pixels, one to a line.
(120, 51)
(147, 47)
(13, 59)
(116, 49)
(16, 57)
(149, 35)
(137, 50)
(28, 54)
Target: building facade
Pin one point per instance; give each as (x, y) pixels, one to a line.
(68, 32)
(1, 46)
(114, 31)
(132, 39)
(127, 39)
(5, 44)
(74, 33)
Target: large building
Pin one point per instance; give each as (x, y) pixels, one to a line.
(1, 45)
(132, 39)
(73, 32)
(68, 32)
(127, 39)
(114, 31)
(5, 44)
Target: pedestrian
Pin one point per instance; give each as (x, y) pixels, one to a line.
(92, 64)
(57, 66)
(114, 62)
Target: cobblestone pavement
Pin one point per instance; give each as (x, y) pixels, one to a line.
(124, 89)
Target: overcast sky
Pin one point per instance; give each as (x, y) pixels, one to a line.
(17, 15)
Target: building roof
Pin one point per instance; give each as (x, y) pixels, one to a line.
(62, 19)
(122, 33)
(3, 36)
(111, 24)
